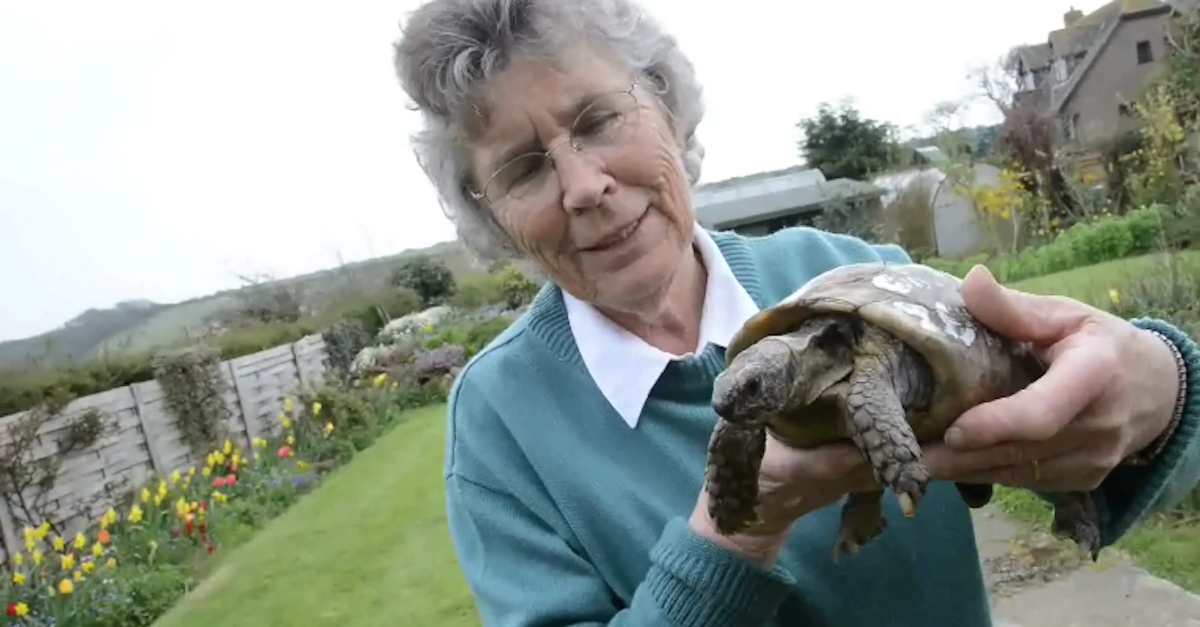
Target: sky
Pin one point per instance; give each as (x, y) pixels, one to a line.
(159, 150)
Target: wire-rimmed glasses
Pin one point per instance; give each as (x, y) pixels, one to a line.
(607, 121)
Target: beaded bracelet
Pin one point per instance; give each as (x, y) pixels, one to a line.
(1148, 454)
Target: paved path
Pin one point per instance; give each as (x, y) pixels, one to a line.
(1035, 583)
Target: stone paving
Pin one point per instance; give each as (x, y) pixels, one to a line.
(1035, 583)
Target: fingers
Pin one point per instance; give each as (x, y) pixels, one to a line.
(841, 463)
(1042, 409)
(1019, 315)
(1075, 471)
(948, 463)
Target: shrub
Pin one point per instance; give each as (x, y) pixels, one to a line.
(1098, 239)
(478, 290)
(515, 287)
(343, 341)
(194, 394)
(428, 277)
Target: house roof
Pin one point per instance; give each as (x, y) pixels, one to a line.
(767, 195)
(1091, 33)
(1034, 56)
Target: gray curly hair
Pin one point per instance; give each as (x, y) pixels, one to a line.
(450, 48)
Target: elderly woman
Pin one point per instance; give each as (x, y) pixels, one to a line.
(564, 132)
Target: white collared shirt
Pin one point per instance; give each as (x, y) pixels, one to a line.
(624, 366)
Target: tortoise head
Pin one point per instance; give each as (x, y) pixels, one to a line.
(780, 373)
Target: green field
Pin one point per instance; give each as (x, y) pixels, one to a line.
(370, 547)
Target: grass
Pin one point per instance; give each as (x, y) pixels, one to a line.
(368, 548)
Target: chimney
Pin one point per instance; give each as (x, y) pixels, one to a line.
(1072, 16)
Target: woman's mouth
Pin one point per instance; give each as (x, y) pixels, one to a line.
(618, 237)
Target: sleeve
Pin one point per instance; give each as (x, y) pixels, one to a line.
(1131, 492)
(523, 570)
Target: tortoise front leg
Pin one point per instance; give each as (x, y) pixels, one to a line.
(875, 401)
(735, 453)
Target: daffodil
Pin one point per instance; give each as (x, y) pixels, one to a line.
(68, 561)
(20, 609)
(18, 578)
(316, 408)
(135, 514)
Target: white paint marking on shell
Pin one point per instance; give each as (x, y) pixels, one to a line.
(896, 284)
(918, 312)
(954, 325)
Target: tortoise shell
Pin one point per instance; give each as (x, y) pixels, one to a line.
(923, 307)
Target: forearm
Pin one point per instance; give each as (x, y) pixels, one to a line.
(1173, 465)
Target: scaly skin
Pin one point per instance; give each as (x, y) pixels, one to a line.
(888, 379)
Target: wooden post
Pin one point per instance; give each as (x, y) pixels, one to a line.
(8, 529)
(242, 409)
(156, 461)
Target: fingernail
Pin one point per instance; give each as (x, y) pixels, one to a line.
(954, 436)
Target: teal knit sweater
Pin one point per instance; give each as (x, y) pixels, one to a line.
(563, 515)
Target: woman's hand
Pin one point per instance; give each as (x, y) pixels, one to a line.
(1109, 392)
(791, 483)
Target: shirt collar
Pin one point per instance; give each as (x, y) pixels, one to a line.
(624, 366)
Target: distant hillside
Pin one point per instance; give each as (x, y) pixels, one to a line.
(135, 326)
(78, 338)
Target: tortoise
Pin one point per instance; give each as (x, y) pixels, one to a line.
(885, 356)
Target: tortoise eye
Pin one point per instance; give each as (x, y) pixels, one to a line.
(753, 387)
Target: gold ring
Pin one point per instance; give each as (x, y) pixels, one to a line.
(1037, 474)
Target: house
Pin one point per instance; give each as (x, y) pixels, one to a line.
(946, 218)
(762, 203)
(1087, 73)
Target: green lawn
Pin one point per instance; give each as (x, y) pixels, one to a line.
(368, 548)
(1091, 283)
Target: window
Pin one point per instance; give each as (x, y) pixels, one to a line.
(1144, 53)
(1060, 69)
(1068, 127)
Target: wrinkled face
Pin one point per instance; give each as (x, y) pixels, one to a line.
(758, 383)
(781, 373)
(607, 215)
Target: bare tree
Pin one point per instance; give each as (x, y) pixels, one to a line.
(999, 82)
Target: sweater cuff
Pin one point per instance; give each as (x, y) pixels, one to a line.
(1159, 486)
(697, 583)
